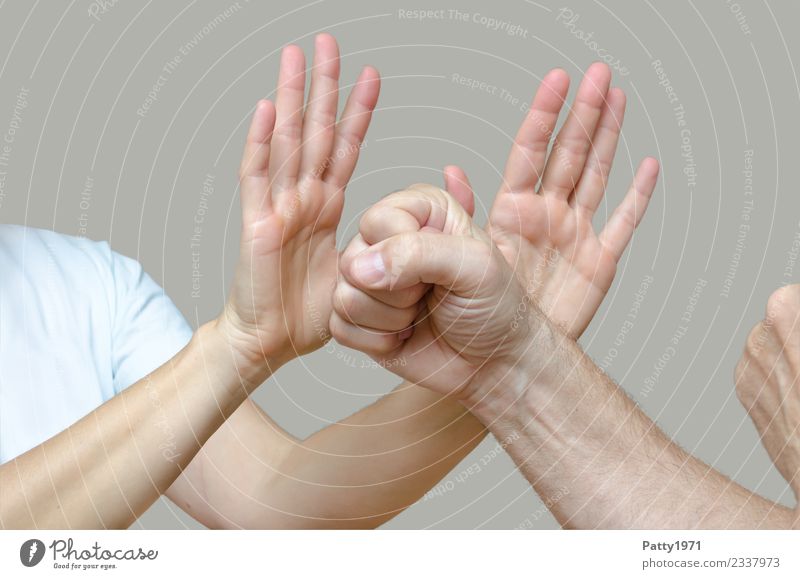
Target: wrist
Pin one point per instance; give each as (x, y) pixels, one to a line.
(548, 393)
(504, 384)
(253, 362)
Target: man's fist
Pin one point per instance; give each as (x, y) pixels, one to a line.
(424, 291)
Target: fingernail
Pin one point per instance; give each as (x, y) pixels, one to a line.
(369, 268)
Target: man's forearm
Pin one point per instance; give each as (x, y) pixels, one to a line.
(595, 457)
(109, 467)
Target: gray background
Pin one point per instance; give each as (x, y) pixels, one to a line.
(83, 159)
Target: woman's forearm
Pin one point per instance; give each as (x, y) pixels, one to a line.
(356, 473)
(108, 468)
(371, 466)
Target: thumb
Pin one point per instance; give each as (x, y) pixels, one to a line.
(464, 265)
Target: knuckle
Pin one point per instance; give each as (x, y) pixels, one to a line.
(626, 215)
(599, 166)
(351, 141)
(344, 299)
(742, 393)
(384, 346)
(346, 259)
(408, 297)
(783, 310)
(437, 197)
(426, 188)
(288, 131)
(779, 302)
(755, 339)
(745, 384)
(376, 344)
(246, 169)
(739, 374)
(393, 319)
(533, 143)
(372, 216)
(408, 315)
(336, 327)
(356, 246)
(571, 145)
(401, 250)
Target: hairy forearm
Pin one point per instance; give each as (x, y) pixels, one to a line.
(109, 467)
(595, 457)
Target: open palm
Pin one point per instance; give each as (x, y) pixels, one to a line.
(541, 218)
(296, 165)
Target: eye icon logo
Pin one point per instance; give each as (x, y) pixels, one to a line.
(31, 552)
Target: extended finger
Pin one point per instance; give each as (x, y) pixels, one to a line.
(526, 161)
(286, 140)
(319, 122)
(571, 146)
(352, 127)
(253, 170)
(594, 178)
(626, 217)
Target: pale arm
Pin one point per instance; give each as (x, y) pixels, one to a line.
(109, 467)
(357, 473)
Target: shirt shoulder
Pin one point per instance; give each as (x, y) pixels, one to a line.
(146, 328)
(27, 244)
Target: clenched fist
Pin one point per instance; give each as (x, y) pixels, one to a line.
(425, 292)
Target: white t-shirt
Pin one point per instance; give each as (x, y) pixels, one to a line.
(78, 324)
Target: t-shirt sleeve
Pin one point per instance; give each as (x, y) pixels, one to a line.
(148, 329)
